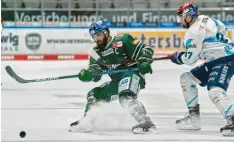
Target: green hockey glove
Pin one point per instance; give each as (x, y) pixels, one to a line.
(145, 68)
(86, 75)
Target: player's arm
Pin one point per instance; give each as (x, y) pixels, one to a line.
(87, 75)
(220, 27)
(95, 67)
(193, 47)
(137, 50)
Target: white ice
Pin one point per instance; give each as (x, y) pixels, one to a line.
(45, 110)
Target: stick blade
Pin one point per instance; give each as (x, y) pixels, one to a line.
(10, 71)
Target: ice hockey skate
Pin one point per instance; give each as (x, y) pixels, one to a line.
(144, 128)
(228, 130)
(85, 124)
(191, 121)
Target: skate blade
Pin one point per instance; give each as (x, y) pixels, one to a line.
(228, 133)
(188, 128)
(145, 132)
(78, 129)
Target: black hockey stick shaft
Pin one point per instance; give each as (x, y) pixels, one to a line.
(19, 79)
(133, 61)
(10, 71)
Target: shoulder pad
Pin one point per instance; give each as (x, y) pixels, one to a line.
(199, 26)
(122, 36)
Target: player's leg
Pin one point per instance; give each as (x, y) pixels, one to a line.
(218, 83)
(103, 93)
(189, 81)
(128, 89)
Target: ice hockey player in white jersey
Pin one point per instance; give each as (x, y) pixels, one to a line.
(205, 38)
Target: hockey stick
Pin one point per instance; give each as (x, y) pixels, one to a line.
(19, 79)
(100, 61)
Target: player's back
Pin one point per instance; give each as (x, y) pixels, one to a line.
(213, 35)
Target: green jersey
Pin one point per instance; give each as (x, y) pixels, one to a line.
(121, 48)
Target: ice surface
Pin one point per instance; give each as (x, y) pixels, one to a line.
(45, 110)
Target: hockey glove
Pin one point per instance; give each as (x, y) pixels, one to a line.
(145, 68)
(176, 58)
(86, 75)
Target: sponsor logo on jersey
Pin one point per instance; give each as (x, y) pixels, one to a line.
(124, 81)
(204, 20)
(214, 73)
(192, 46)
(113, 66)
(107, 52)
(201, 27)
(188, 43)
(216, 67)
(117, 44)
(124, 84)
(229, 49)
(223, 75)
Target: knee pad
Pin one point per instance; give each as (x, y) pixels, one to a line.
(190, 91)
(216, 93)
(222, 101)
(136, 108)
(187, 79)
(125, 99)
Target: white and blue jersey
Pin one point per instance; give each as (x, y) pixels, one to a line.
(206, 38)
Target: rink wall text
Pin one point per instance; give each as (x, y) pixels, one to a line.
(74, 43)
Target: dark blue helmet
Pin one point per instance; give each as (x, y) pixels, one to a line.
(97, 27)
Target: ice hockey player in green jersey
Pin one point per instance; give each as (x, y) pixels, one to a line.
(126, 85)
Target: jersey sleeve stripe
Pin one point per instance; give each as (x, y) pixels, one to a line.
(136, 49)
(139, 50)
(149, 50)
(95, 65)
